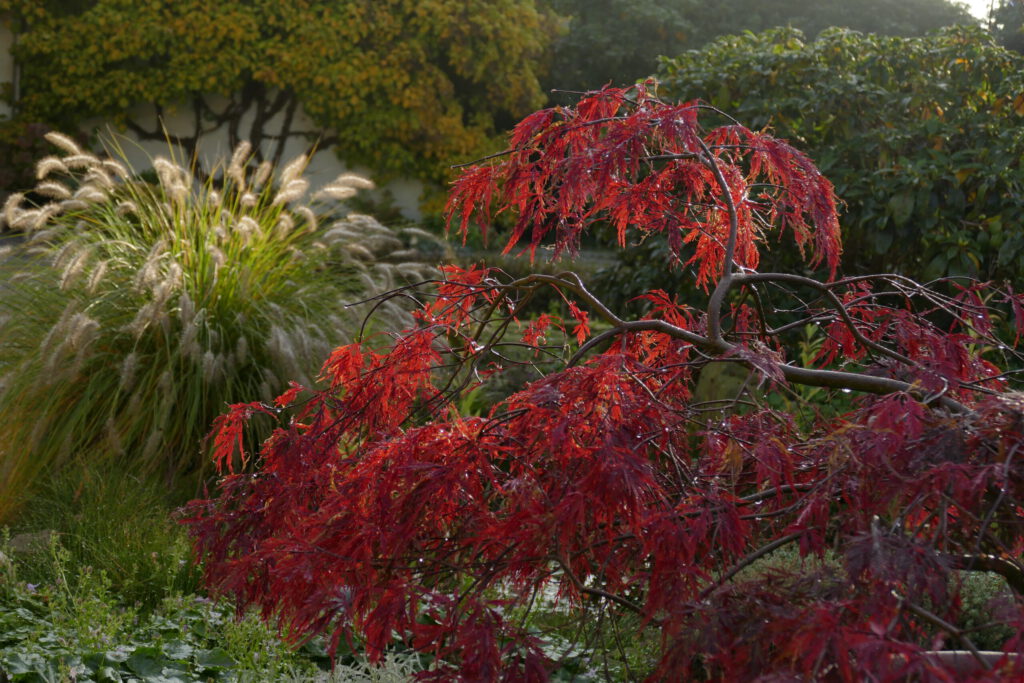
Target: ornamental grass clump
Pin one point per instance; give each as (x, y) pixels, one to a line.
(136, 309)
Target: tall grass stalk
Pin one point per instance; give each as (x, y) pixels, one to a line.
(137, 309)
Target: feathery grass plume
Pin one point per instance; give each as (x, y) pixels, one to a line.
(213, 365)
(128, 367)
(53, 190)
(359, 252)
(143, 317)
(293, 191)
(177, 315)
(177, 192)
(248, 200)
(117, 168)
(83, 331)
(73, 205)
(189, 345)
(58, 330)
(186, 309)
(338, 192)
(272, 380)
(353, 180)
(12, 210)
(64, 142)
(96, 277)
(285, 224)
(344, 186)
(412, 272)
(262, 174)
(45, 214)
(239, 158)
(74, 268)
(153, 444)
(280, 344)
(50, 165)
(25, 219)
(81, 161)
(91, 194)
(308, 217)
(293, 170)
(216, 254)
(148, 273)
(241, 349)
(64, 253)
(99, 176)
(247, 227)
(42, 237)
(165, 382)
(53, 360)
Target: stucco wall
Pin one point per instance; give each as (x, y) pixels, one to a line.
(323, 168)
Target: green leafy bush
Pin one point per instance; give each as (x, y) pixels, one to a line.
(923, 138)
(136, 310)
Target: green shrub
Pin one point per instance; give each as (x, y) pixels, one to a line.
(923, 138)
(136, 310)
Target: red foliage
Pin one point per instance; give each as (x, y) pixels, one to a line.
(652, 169)
(379, 511)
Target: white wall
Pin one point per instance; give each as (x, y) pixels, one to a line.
(323, 168)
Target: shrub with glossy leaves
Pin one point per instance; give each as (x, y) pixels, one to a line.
(134, 311)
(378, 509)
(923, 137)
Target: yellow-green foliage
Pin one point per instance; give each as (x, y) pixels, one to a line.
(136, 311)
(405, 85)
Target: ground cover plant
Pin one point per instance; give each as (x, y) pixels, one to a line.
(138, 306)
(113, 596)
(376, 509)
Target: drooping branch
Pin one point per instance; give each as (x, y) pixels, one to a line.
(831, 379)
(717, 299)
(1010, 571)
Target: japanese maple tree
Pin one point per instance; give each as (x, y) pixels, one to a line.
(379, 510)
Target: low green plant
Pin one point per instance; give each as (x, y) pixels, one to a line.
(982, 594)
(187, 639)
(395, 667)
(117, 524)
(136, 310)
(62, 619)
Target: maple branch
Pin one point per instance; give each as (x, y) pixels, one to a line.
(989, 563)
(749, 560)
(748, 278)
(945, 625)
(597, 592)
(496, 155)
(725, 282)
(831, 379)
